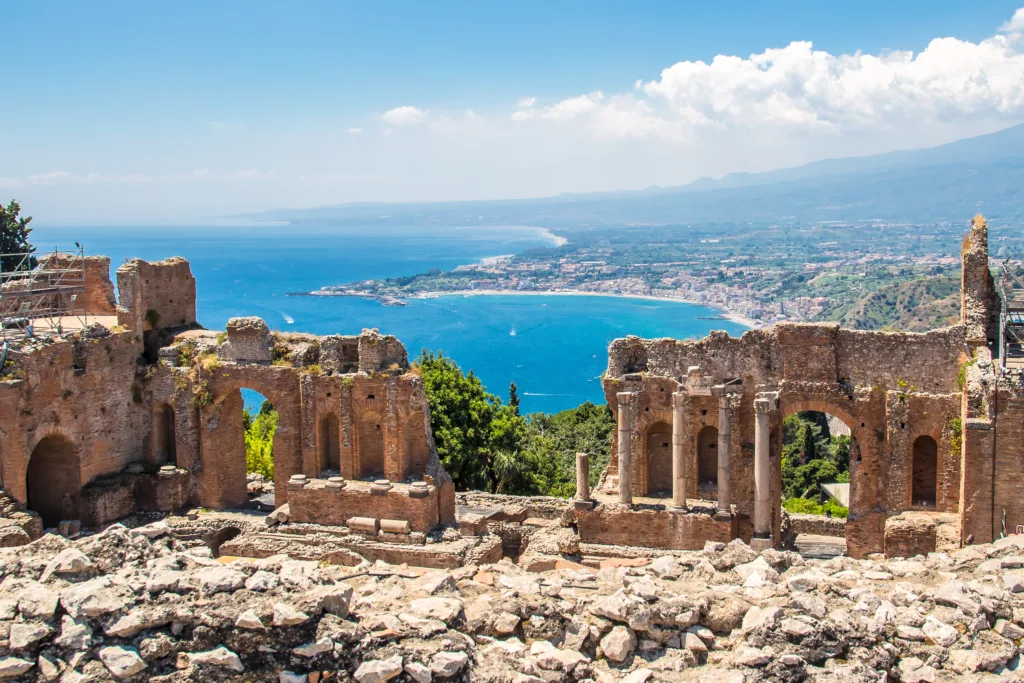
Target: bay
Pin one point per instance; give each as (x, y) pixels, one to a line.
(552, 346)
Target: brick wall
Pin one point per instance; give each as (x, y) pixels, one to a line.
(620, 525)
(316, 503)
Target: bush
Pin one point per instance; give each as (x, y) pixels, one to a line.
(808, 506)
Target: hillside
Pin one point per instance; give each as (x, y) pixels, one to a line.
(937, 184)
(914, 306)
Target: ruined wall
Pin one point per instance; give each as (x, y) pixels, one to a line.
(99, 290)
(164, 291)
(888, 388)
(86, 392)
(620, 525)
(317, 503)
(977, 287)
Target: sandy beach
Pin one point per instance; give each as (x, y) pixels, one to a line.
(727, 315)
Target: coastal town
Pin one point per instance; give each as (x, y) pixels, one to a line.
(853, 273)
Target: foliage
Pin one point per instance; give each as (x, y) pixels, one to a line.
(14, 233)
(153, 318)
(259, 440)
(487, 444)
(961, 374)
(810, 507)
(811, 456)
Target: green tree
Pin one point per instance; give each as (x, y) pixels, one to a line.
(513, 395)
(14, 233)
(259, 440)
(461, 413)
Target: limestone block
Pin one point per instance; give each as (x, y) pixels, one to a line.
(249, 341)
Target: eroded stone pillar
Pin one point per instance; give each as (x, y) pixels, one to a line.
(582, 476)
(724, 451)
(625, 400)
(764, 405)
(680, 426)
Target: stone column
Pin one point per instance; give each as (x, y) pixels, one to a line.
(724, 456)
(625, 400)
(763, 407)
(582, 476)
(680, 426)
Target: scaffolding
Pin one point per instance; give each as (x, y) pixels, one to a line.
(1011, 315)
(42, 293)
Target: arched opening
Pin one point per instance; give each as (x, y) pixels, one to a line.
(53, 480)
(219, 538)
(926, 472)
(816, 449)
(659, 459)
(330, 448)
(707, 461)
(259, 425)
(164, 435)
(371, 449)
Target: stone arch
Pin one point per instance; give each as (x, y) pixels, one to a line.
(223, 443)
(220, 537)
(53, 479)
(924, 480)
(645, 419)
(328, 443)
(658, 451)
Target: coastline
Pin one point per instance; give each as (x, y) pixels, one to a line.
(557, 239)
(731, 316)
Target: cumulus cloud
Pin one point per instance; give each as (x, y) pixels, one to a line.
(1015, 24)
(799, 88)
(405, 116)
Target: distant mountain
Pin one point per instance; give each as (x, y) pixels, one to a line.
(944, 183)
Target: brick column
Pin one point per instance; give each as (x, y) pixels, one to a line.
(763, 407)
(680, 427)
(625, 400)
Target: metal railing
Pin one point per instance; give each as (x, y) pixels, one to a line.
(1011, 315)
(42, 293)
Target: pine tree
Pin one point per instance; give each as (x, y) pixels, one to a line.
(14, 232)
(513, 396)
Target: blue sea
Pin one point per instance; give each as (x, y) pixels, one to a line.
(553, 347)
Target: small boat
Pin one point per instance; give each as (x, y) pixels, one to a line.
(512, 333)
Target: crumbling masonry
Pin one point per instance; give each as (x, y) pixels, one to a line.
(143, 413)
(937, 456)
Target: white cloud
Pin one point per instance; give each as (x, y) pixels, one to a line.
(49, 177)
(1015, 24)
(527, 102)
(250, 174)
(405, 116)
(354, 131)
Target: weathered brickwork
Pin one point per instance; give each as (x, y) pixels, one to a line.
(77, 411)
(935, 426)
(316, 502)
(620, 525)
(102, 423)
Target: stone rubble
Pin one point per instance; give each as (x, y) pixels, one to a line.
(126, 605)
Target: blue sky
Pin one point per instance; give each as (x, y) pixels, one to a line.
(166, 111)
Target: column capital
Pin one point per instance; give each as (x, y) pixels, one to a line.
(680, 399)
(625, 397)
